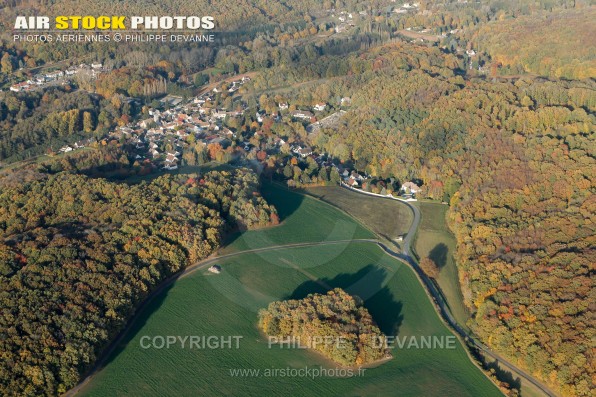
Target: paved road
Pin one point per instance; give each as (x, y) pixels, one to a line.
(404, 256)
(441, 304)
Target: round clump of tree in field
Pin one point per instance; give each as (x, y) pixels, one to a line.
(335, 324)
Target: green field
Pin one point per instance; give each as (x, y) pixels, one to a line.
(303, 219)
(436, 241)
(226, 304)
(389, 219)
(205, 304)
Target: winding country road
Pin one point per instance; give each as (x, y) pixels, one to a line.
(441, 304)
(404, 257)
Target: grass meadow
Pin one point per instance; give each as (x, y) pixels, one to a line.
(226, 304)
(389, 219)
(436, 241)
(303, 219)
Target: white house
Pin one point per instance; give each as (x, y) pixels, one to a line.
(18, 87)
(410, 187)
(146, 123)
(352, 182)
(302, 114)
(54, 75)
(319, 107)
(303, 152)
(171, 162)
(356, 176)
(219, 115)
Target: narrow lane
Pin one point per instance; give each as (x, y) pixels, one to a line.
(405, 257)
(441, 304)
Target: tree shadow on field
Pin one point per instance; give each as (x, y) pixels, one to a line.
(366, 284)
(285, 201)
(439, 255)
(498, 370)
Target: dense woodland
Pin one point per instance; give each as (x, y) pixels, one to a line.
(78, 255)
(511, 151)
(529, 44)
(516, 161)
(33, 123)
(249, 28)
(336, 325)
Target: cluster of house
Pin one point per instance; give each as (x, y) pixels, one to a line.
(171, 128)
(301, 152)
(235, 85)
(406, 7)
(161, 139)
(345, 21)
(44, 79)
(355, 180)
(76, 145)
(304, 114)
(351, 178)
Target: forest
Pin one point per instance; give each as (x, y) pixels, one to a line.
(336, 325)
(515, 159)
(79, 254)
(511, 149)
(36, 122)
(528, 45)
(249, 27)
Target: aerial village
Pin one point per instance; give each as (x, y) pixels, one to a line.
(57, 77)
(160, 140)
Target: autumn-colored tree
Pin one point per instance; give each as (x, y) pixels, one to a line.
(214, 149)
(123, 245)
(429, 267)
